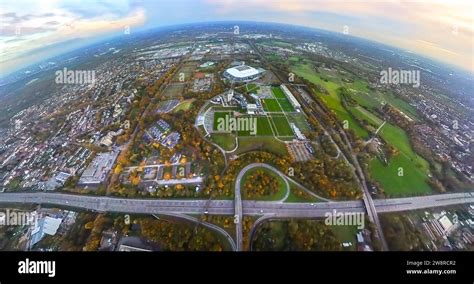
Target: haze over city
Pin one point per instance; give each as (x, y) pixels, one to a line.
(438, 29)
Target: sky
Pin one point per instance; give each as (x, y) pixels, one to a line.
(30, 30)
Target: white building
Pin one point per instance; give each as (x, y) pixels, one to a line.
(44, 226)
(243, 73)
(294, 102)
(446, 224)
(297, 132)
(251, 108)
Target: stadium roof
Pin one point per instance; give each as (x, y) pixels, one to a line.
(242, 71)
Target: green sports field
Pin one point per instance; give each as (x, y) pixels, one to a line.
(218, 115)
(263, 128)
(271, 105)
(273, 125)
(286, 105)
(278, 93)
(282, 126)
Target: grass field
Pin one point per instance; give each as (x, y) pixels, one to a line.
(252, 88)
(271, 105)
(300, 120)
(185, 105)
(261, 143)
(174, 90)
(346, 234)
(263, 128)
(333, 101)
(187, 70)
(277, 196)
(226, 141)
(415, 168)
(278, 93)
(220, 114)
(282, 126)
(375, 99)
(286, 105)
(364, 114)
(263, 125)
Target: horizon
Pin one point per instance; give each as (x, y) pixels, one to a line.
(26, 36)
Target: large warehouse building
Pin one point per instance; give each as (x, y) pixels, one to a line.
(243, 73)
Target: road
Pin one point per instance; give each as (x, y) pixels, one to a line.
(205, 224)
(238, 197)
(226, 207)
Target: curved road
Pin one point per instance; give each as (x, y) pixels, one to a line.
(205, 224)
(238, 197)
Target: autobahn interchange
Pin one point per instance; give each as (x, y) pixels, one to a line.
(226, 207)
(265, 209)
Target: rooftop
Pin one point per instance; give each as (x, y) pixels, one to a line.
(242, 71)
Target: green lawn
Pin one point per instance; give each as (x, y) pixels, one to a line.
(375, 99)
(263, 128)
(252, 88)
(218, 115)
(415, 168)
(346, 234)
(226, 141)
(261, 143)
(271, 105)
(364, 114)
(333, 101)
(300, 120)
(286, 105)
(185, 105)
(412, 182)
(282, 125)
(278, 93)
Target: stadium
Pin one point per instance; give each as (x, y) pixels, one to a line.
(243, 73)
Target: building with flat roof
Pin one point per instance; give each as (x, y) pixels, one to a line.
(243, 73)
(294, 102)
(97, 170)
(44, 226)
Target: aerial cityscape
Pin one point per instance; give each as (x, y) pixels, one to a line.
(229, 131)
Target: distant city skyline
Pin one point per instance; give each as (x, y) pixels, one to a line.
(31, 31)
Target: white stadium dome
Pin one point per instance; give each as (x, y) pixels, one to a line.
(242, 73)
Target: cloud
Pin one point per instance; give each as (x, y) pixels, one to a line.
(406, 24)
(24, 30)
(409, 24)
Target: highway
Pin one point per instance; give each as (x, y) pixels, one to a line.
(226, 207)
(265, 209)
(238, 198)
